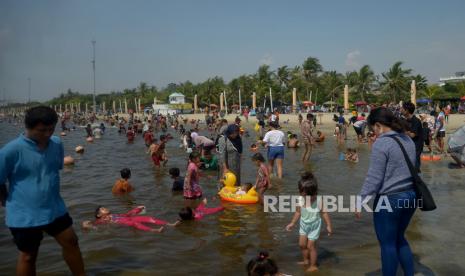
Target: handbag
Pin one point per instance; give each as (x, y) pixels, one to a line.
(425, 200)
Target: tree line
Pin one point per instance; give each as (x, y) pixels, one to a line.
(309, 78)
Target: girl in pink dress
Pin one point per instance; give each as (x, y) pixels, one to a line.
(192, 189)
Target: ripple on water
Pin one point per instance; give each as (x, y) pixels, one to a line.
(225, 242)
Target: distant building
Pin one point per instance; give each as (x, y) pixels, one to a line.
(458, 77)
(177, 98)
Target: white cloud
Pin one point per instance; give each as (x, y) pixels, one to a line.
(267, 59)
(352, 59)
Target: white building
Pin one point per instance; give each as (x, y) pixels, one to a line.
(459, 76)
(177, 98)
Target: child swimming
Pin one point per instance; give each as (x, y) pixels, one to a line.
(320, 137)
(178, 181)
(158, 152)
(263, 265)
(293, 142)
(131, 218)
(187, 213)
(254, 148)
(209, 161)
(148, 136)
(351, 155)
(337, 131)
(244, 189)
(310, 213)
(262, 182)
(130, 134)
(122, 186)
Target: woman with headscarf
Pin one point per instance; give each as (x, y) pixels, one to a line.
(230, 150)
(202, 142)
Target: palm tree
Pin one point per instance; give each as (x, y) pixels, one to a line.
(282, 76)
(431, 91)
(263, 80)
(332, 82)
(365, 79)
(420, 81)
(142, 89)
(311, 68)
(396, 81)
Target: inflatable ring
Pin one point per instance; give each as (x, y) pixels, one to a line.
(229, 194)
(428, 157)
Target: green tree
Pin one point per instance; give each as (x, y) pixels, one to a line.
(364, 81)
(395, 82)
(332, 84)
(311, 68)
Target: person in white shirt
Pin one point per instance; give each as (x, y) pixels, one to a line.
(274, 141)
(97, 133)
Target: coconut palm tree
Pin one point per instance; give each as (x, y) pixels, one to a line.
(263, 80)
(282, 76)
(311, 68)
(395, 82)
(364, 81)
(431, 91)
(332, 82)
(420, 81)
(142, 89)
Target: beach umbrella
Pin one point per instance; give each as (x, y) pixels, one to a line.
(358, 103)
(423, 101)
(329, 103)
(463, 98)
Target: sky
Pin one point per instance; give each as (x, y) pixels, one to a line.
(159, 42)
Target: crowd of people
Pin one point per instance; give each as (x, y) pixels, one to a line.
(32, 209)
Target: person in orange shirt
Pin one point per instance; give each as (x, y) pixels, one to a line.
(320, 137)
(122, 186)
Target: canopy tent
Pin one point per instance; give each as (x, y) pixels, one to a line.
(423, 101)
(358, 103)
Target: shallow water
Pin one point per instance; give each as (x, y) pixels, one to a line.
(223, 243)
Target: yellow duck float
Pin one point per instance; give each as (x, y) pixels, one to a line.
(228, 192)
